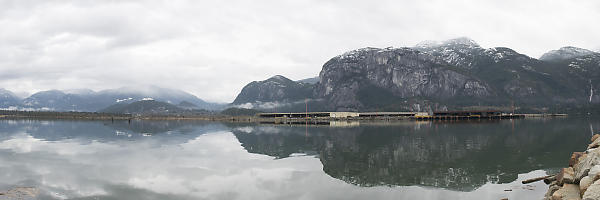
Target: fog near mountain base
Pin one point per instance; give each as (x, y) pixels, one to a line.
(213, 48)
(269, 106)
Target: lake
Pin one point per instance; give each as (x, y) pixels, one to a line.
(63, 159)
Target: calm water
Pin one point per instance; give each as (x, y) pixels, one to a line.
(199, 160)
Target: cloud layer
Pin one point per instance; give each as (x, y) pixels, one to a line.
(213, 48)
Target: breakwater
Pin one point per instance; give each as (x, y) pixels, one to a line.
(581, 179)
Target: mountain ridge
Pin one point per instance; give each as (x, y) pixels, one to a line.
(452, 74)
(91, 101)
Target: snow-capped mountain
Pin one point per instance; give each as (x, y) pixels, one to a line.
(444, 74)
(565, 53)
(463, 52)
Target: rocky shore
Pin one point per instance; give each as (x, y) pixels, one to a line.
(581, 180)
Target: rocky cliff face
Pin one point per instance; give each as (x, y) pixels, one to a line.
(513, 76)
(402, 73)
(450, 74)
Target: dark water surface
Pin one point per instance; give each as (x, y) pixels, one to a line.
(201, 160)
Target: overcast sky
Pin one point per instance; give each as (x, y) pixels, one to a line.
(213, 48)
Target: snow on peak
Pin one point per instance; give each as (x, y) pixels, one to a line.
(147, 99)
(463, 41)
(428, 44)
(279, 77)
(360, 53)
(575, 50)
(567, 52)
(82, 91)
(7, 94)
(3, 91)
(356, 53)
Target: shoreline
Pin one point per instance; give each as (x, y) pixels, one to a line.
(254, 119)
(580, 180)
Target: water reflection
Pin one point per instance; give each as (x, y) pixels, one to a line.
(197, 160)
(456, 156)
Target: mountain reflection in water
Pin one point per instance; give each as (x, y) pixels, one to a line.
(456, 156)
(203, 160)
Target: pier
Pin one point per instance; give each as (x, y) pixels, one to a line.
(323, 117)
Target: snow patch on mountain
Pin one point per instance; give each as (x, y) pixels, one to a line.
(122, 100)
(461, 41)
(355, 54)
(458, 51)
(565, 53)
(428, 44)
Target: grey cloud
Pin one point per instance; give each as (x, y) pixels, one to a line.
(213, 48)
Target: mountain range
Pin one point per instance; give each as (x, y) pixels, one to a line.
(150, 106)
(91, 101)
(430, 76)
(452, 74)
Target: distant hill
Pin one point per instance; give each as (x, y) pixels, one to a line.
(143, 107)
(187, 105)
(152, 107)
(277, 90)
(91, 101)
(8, 99)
